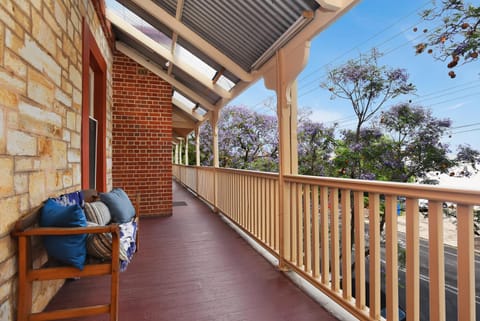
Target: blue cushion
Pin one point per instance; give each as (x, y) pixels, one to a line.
(69, 249)
(119, 204)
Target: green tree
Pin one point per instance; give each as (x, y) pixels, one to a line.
(368, 86)
(417, 146)
(315, 148)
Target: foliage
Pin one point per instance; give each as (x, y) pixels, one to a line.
(416, 142)
(315, 148)
(404, 144)
(246, 139)
(456, 34)
(469, 157)
(360, 156)
(366, 85)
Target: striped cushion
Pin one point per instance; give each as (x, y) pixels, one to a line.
(100, 246)
(97, 212)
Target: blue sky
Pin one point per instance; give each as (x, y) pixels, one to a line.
(387, 25)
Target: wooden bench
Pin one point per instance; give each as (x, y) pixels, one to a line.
(27, 231)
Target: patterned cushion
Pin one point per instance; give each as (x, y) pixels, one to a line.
(97, 212)
(100, 245)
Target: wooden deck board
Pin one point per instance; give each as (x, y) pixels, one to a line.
(193, 267)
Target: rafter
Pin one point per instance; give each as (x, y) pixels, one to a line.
(217, 76)
(165, 53)
(191, 113)
(190, 36)
(135, 55)
(178, 16)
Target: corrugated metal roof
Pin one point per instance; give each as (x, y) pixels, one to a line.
(232, 37)
(242, 30)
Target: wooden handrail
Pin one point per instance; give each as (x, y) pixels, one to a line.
(320, 206)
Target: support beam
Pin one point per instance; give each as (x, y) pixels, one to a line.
(193, 38)
(186, 150)
(135, 55)
(180, 152)
(176, 154)
(197, 145)
(217, 76)
(178, 16)
(216, 163)
(332, 5)
(190, 112)
(287, 146)
(214, 123)
(165, 53)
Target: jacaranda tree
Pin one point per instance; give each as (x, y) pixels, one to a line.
(315, 148)
(455, 36)
(368, 86)
(246, 139)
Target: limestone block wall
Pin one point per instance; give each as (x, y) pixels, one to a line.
(40, 118)
(142, 135)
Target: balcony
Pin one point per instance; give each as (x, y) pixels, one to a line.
(306, 225)
(192, 266)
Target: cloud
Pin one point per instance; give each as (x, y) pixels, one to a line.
(324, 116)
(456, 106)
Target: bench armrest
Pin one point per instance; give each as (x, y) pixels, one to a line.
(42, 231)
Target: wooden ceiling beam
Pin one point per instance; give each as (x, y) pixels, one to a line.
(135, 55)
(193, 38)
(165, 53)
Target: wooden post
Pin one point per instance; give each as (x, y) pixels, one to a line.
(176, 153)
(197, 157)
(214, 123)
(186, 150)
(287, 150)
(180, 152)
(197, 145)
(281, 78)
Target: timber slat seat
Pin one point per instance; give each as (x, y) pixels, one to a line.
(27, 231)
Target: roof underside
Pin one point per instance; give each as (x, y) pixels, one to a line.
(206, 49)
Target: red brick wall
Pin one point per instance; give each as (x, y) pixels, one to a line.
(142, 135)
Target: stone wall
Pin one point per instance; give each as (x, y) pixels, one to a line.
(142, 135)
(40, 118)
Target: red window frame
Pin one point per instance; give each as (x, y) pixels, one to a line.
(93, 58)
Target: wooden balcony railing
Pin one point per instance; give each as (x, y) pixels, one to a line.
(315, 239)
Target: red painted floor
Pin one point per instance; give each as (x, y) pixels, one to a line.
(193, 267)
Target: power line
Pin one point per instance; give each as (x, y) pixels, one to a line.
(355, 47)
(445, 93)
(367, 40)
(466, 131)
(463, 126)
